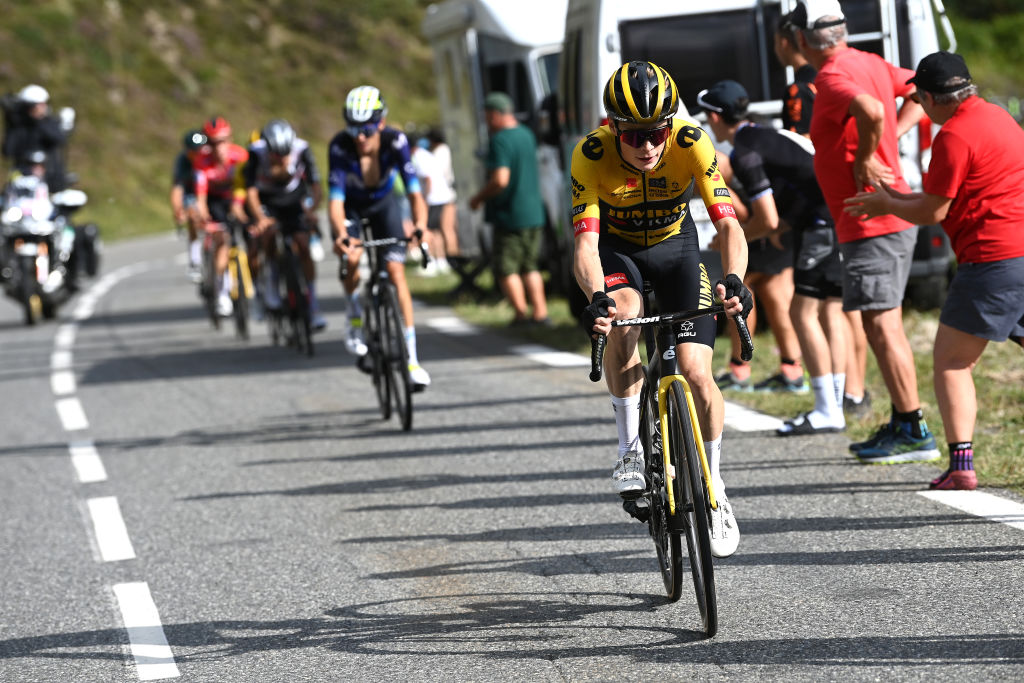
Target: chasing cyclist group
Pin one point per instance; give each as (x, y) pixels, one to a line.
(274, 185)
(632, 180)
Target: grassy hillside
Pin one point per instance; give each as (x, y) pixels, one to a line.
(141, 73)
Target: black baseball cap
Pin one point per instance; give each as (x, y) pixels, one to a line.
(815, 14)
(728, 98)
(941, 72)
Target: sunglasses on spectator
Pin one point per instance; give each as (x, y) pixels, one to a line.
(367, 130)
(636, 138)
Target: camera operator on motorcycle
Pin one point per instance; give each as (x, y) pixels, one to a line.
(29, 126)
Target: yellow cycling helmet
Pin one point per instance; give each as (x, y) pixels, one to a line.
(640, 92)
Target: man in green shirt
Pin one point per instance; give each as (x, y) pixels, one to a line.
(514, 208)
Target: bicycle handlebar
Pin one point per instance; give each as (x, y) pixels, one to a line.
(597, 346)
(388, 241)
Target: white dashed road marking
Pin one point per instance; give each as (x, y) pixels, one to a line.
(111, 533)
(153, 657)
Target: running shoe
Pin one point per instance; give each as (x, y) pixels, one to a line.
(780, 383)
(955, 480)
(628, 476)
(725, 534)
(898, 446)
(728, 381)
(874, 439)
(857, 410)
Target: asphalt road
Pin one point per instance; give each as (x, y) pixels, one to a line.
(275, 529)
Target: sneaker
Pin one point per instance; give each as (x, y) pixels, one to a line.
(779, 383)
(873, 440)
(801, 426)
(354, 342)
(725, 534)
(628, 477)
(955, 480)
(194, 272)
(319, 323)
(899, 445)
(418, 376)
(727, 380)
(857, 410)
(224, 307)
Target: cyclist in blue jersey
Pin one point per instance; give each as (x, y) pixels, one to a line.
(364, 160)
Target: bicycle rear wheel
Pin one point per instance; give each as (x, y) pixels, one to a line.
(397, 357)
(208, 289)
(666, 543)
(298, 303)
(692, 513)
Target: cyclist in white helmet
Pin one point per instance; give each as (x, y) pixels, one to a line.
(364, 160)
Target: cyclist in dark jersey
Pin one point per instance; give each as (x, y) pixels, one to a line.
(776, 169)
(282, 187)
(183, 196)
(632, 181)
(365, 160)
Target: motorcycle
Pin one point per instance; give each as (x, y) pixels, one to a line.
(39, 262)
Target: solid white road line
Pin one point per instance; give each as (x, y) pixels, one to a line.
(153, 657)
(981, 504)
(453, 326)
(87, 463)
(548, 356)
(71, 414)
(111, 533)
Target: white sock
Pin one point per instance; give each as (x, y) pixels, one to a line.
(314, 303)
(354, 309)
(826, 413)
(225, 284)
(410, 343)
(627, 421)
(195, 253)
(713, 450)
(839, 380)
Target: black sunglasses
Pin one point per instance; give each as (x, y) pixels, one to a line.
(366, 130)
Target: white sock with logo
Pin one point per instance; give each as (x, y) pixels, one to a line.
(627, 422)
(713, 451)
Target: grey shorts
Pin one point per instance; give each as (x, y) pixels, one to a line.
(817, 268)
(987, 299)
(876, 269)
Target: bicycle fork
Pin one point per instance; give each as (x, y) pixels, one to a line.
(237, 261)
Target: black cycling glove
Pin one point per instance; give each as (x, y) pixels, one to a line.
(734, 287)
(598, 308)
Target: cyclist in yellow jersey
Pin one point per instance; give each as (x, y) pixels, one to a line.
(631, 185)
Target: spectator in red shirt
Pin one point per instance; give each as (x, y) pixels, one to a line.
(975, 188)
(854, 129)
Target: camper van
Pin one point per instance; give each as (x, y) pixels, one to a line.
(700, 43)
(484, 45)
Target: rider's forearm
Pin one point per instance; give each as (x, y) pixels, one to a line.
(587, 267)
(336, 214)
(734, 246)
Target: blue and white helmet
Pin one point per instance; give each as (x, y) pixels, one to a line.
(364, 105)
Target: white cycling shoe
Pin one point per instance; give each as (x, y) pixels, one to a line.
(418, 376)
(628, 476)
(224, 305)
(725, 534)
(354, 343)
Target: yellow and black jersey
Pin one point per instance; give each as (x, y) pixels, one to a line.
(612, 198)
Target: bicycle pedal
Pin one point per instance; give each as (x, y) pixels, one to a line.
(638, 512)
(630, 496)
(363, 363)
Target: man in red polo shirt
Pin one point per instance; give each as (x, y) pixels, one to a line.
(854, 128)
(975, 187)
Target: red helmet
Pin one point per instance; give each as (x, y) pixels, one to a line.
(217, 127)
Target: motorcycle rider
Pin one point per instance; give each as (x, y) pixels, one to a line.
(30, 127)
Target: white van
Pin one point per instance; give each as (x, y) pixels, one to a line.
(485, 45)
(701, 42)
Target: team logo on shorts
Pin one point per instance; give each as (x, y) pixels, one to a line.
(686, 330)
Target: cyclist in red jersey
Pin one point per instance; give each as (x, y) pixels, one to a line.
(973, 187)
(219, 194)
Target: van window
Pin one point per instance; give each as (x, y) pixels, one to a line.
(570, 92)
(548, 72)
(700, 49)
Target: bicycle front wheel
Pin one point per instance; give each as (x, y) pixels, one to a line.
(692, 512)
(666, 544)
(241, 301)
(396, 356)
(376, 343)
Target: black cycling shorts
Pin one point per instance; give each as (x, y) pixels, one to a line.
(675, 272)
(291, 218)
(385, 219)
